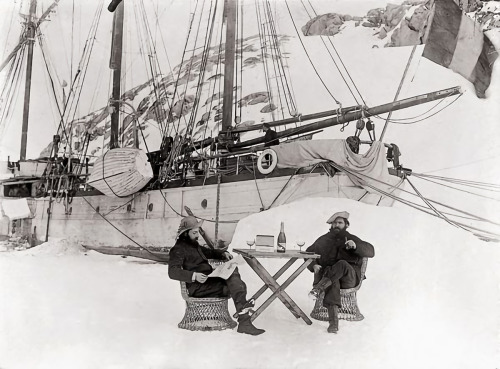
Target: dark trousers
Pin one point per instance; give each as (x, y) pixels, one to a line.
(342, 275)
(218, 287)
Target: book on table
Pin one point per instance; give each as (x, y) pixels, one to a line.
(264, 243)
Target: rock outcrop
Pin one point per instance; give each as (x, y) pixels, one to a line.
(323, 25)
(411, 29)
(408, 27)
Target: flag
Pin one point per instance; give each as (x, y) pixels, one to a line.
(455, 41)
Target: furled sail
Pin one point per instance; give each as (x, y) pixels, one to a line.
(368, 170)
(121, 172)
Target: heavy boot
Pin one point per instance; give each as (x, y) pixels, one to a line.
(320, 287)
(247, 308)
(333, 318)
(245, 325)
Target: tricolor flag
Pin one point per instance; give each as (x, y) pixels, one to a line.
(455, 41)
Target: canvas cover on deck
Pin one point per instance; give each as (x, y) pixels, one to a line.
(15, 209)
(121, 172)
(366, 169)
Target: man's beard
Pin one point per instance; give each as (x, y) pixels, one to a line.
(338, 231)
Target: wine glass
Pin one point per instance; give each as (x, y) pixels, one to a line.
(250, 243)
(300, 243)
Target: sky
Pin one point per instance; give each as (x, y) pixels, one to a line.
(430, 300)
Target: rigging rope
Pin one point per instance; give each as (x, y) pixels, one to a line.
(458, 189)
(420, 120)
(263, 50)
(119, 230)
(331, 56)
(10, 89)
(292, 108)
(342, 62)
(461, 165)
(201, 77)
(277, 58)
(269, 33)
(433, 208)
(283, 189)
(308, 57)
(217, 208)
(360, 176)
(459, 181)
(256, 185)
(79, 76)
(399, 89)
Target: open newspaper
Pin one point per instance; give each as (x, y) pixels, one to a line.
(225, 270)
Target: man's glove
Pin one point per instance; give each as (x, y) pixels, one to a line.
(316, 268)
(200, 277)
(350, 245)
(227, 256)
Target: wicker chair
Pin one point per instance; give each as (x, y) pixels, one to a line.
(349, 305)
(206, 313)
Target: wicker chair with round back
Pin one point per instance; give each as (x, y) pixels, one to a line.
(206, 313)
(349, 305)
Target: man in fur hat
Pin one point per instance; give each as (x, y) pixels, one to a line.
(339, 265)
(189, 263)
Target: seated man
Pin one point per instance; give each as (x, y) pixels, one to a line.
(339, 265)
(189, 263)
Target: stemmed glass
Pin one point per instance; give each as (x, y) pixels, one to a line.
(250, 243)
(300, 244)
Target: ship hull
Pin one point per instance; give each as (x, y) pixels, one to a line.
(151, 218)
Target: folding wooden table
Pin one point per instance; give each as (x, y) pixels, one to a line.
(270, 281)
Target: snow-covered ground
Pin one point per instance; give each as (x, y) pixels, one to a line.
(432, 294)
(431, 300)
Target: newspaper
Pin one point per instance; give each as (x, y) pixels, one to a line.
(225, 270)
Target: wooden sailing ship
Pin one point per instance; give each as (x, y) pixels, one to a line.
(118, 201)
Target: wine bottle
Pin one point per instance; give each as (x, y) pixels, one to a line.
(282, 239)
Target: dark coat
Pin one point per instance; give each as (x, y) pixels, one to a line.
(271, 138)
(331, 247)
(187, 257)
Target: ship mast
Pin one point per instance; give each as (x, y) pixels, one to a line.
(115, 63)
(30, 36)
(230, 7)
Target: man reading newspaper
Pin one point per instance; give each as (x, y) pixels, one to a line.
(189, 263)
(225, 270)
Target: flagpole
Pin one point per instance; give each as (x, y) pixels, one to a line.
(399, 90)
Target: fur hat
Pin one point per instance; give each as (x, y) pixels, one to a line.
(341, 214)
(188, 223)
